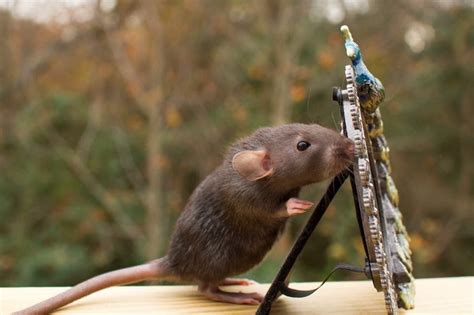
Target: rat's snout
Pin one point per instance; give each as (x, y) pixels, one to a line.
(350, 148)
(345, 150)
(342, 155)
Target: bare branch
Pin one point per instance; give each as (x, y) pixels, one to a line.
(109, 202)
(125, 67)
(83, 146)
(131, 170)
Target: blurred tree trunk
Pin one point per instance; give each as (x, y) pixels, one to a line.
(155, 216)
(5, 53)
(146, 90)
(463, 60)
(280, 24)
(285, 23)
(6, 72)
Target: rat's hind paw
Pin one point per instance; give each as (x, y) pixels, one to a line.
(215, 294)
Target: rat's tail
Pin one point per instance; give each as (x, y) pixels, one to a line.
(152, 270)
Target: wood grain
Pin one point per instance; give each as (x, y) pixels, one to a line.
(434, 296)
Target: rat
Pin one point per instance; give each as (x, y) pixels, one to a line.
(236, 213)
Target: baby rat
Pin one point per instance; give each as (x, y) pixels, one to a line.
(235, 215)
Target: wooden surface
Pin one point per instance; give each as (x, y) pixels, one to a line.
(434, 296)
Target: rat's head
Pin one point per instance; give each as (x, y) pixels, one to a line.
(294, 154)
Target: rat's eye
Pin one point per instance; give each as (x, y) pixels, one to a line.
(303, 145)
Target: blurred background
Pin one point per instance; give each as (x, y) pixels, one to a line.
(112, 111)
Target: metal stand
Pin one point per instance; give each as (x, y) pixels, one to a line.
(278, 285)
(386, 242)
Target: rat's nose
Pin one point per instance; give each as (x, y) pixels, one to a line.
(345, 150)
(349, 148)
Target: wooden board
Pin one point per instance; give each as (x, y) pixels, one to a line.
(434, 296)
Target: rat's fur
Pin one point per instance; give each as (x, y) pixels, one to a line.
(230, 223)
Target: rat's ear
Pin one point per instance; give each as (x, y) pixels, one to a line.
(252, 165)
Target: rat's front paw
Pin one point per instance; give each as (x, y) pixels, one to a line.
(296, 206)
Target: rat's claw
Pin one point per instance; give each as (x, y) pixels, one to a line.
(234, 281)
(296, 206)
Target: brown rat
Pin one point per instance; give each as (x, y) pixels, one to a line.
(235, 215)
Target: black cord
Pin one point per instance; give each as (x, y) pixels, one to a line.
(285, 290)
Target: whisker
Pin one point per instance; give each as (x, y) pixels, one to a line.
(337, 125)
